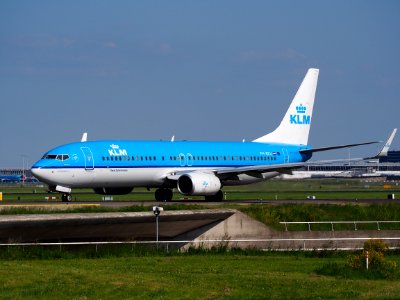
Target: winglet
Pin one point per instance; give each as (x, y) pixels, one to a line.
(84, 137)
(385, 149)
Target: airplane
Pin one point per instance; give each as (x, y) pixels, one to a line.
(199, 168)
(11, 178)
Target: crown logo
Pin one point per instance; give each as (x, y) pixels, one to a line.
(301, 109)
(113, 146)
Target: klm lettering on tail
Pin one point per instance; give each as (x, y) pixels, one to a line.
(300, 118)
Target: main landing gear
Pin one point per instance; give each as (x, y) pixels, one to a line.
(218, 197)
(166, 195)
(163, 195)
(66, 198)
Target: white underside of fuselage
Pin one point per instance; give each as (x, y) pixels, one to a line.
(126, 177)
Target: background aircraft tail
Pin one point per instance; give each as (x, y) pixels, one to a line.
(295, 125)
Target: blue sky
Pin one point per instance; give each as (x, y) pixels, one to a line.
(199, 70)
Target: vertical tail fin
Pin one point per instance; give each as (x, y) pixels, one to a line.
(295, 125)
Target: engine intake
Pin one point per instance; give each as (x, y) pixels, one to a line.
(199, 184)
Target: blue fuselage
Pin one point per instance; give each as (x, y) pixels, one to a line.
(161, 154)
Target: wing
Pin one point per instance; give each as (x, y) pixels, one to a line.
(254, 171)
(312, 150)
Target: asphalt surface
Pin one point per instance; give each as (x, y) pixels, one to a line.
(150, 203)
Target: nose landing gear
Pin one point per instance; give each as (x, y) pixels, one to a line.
(66, 198)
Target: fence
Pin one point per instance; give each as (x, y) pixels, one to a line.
(304, 242)
(341, 222)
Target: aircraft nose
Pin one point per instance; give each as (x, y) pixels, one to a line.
(38, 173)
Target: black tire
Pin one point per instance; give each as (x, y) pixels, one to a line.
(218, 197)
(163, 195)
(66, 198)
(168, 195)
(158, 195)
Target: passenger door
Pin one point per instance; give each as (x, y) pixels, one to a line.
(285, 154)
(89, 160)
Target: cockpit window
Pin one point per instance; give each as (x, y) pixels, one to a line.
(61, 157)
(49, 156)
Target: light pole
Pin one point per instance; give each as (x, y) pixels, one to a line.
(24, 161)
(157, 210)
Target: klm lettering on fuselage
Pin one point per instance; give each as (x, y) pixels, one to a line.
(300, 118)
(116, 151)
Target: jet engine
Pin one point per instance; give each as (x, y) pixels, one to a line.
(199, 184)
(113, 190)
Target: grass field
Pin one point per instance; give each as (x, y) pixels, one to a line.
(186, 276)
(126, 274)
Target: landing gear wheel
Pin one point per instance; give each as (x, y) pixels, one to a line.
(163, 195)
(66, 198)
(218, 197)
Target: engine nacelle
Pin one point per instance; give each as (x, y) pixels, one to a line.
(199, 184)
(113, 190)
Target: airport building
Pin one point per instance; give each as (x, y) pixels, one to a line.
(14, 171)
(13, 175)
(392, 157)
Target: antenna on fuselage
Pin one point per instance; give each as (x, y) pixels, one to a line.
(173, 138)
(84, 137)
